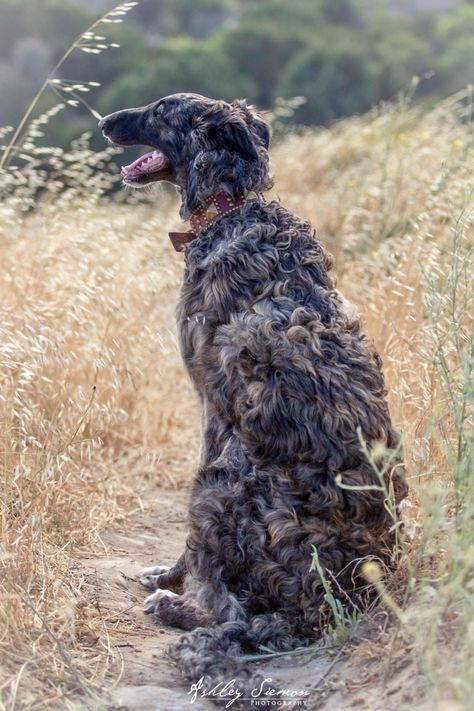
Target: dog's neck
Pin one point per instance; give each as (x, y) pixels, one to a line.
(217, 205)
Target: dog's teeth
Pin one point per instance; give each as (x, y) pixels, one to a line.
(155, 154)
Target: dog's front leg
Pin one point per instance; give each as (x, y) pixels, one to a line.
(163, 577)
(215, 434)
(215, 438)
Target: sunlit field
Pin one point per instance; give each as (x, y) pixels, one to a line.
(96, 408)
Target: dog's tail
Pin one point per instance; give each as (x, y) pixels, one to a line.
(209, 656)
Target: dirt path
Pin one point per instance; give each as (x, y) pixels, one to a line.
(150, 682)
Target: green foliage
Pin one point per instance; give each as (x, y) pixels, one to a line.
(177, 17)
(183, 64)
(456, 66)
(341, 55)
(308, 15)
(397, 56)
(460, 22)
(258, 53)
(336, 80)
(345, 622)
(454, 33)
(56, 22)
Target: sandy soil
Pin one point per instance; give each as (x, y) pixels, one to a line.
(338, 680)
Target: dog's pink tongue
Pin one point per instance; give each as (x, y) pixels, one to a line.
(148, 163)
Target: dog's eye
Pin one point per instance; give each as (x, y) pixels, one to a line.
(162, 115)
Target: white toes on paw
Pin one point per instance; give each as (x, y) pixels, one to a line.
(149, 576)
(155, 570)
(152, 600)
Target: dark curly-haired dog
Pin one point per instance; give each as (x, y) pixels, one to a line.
(289, 387)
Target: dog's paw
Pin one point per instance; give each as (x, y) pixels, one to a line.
(149, 577)
(152, 601)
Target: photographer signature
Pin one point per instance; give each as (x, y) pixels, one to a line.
(230, 692)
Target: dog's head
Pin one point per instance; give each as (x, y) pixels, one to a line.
(200, 144)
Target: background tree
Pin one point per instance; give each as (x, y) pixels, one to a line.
(342, 55)
(336, 78)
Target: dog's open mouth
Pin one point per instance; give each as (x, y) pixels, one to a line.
(146, 168)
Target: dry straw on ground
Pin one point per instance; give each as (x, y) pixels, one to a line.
(95, 406)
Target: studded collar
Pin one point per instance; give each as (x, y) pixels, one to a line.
(216, 205)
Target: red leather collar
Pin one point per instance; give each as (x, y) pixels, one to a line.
(215, 206)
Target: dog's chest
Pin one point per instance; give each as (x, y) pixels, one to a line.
(197, 320)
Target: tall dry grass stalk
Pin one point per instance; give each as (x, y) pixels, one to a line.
(95, 406)
(68, 91)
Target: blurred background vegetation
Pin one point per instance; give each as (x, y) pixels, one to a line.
(343, 56)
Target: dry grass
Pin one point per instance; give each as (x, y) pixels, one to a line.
(95, 405)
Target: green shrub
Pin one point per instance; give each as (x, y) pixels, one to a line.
(337, 80)
(181, 64)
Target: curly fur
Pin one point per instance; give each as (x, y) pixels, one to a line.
(287, 382)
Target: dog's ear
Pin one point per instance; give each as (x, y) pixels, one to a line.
(262, 129)
(258, 126)
(224, 150)
(226, 127)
